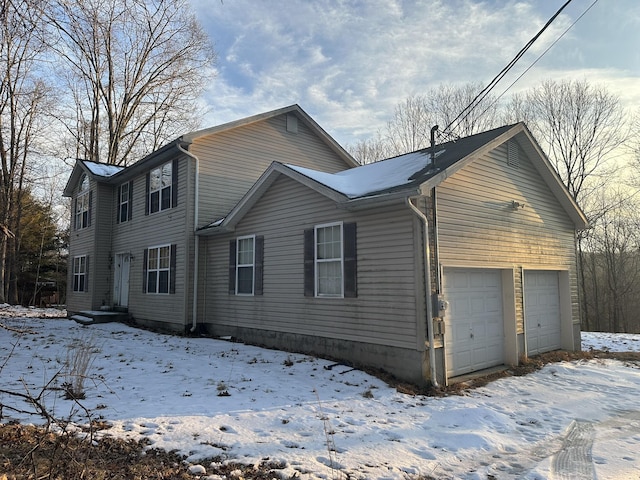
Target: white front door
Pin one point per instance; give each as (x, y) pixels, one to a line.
(474, 321)
(541, 311)
(121, 280)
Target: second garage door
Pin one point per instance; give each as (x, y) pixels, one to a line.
(541, 311)
(474, 325)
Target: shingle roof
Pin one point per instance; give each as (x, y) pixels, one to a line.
(402, 172)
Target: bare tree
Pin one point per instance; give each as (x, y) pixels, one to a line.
(612, 264)
(410, 128)
(23, 97)
(579, 126)
(448, 101)
(369, 151)
(134, 69)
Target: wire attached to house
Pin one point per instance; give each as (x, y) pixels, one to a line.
(484, 92)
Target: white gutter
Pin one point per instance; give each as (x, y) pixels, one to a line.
(196, 240)
(427, 292)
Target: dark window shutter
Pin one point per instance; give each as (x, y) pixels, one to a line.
(172, 271)
(259, 262)
(118, 202)
(75, 214)
(232, 267)
(90, 208)
(146, 195)
(86, 273)
(350, 260)
(145, 262)
(309, 263)
(174, 183)
(130, 204)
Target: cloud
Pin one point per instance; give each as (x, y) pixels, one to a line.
(349, 63)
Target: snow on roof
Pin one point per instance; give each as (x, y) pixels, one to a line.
(102, 169)
(373, 177)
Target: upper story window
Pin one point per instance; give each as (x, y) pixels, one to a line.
(330, 260)
(82, 208)
(125, 197)
(162, 188)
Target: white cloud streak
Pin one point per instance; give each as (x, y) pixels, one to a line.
(348, 63)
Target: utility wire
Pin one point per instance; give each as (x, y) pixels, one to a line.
(540, 56)
(467, 110)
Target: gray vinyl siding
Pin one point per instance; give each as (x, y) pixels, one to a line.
(479, 227)
(81, 242)
(384, 313)
(232, 161)
(103, 206)
(171, 226)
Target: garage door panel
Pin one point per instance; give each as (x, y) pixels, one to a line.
(542, 311)
(474, 326)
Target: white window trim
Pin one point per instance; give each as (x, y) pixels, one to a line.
(158, 270)
(244, 265)
(83, 274)
(122, 202)
(318, 261)
(82, 203)
(160, 188)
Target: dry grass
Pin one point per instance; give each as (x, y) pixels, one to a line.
(28, 452)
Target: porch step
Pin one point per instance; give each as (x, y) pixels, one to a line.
(89, 317)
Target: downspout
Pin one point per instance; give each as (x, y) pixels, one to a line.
(427, 291)
(196, 240)
(436, 256)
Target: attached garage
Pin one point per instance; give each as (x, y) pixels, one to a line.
(474, 322)
(542, 316)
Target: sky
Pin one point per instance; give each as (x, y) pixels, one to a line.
(349, 63)
(321, 420)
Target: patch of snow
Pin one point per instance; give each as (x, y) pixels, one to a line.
(102, 169)
(373, 177)
(319, 423)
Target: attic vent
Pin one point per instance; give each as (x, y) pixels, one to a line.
(292, 123)
(513, 154)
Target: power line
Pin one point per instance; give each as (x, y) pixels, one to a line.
(543, 53)
(480, 96)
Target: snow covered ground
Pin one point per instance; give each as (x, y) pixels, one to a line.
(209, 398)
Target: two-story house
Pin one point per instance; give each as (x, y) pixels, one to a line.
(430, 265)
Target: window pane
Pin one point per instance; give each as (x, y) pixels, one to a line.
(245, 251)
(123, 212)
(155, 202)
(163, 283)
(155, 181)
(124, 193)
(166, 198)
(329, 278)
(328, 242)
(165, 256)
(152, 262)
(151, 282)
(245, 280)
(166, 175)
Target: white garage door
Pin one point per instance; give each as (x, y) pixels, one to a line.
(541, 311)
(474, 325)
